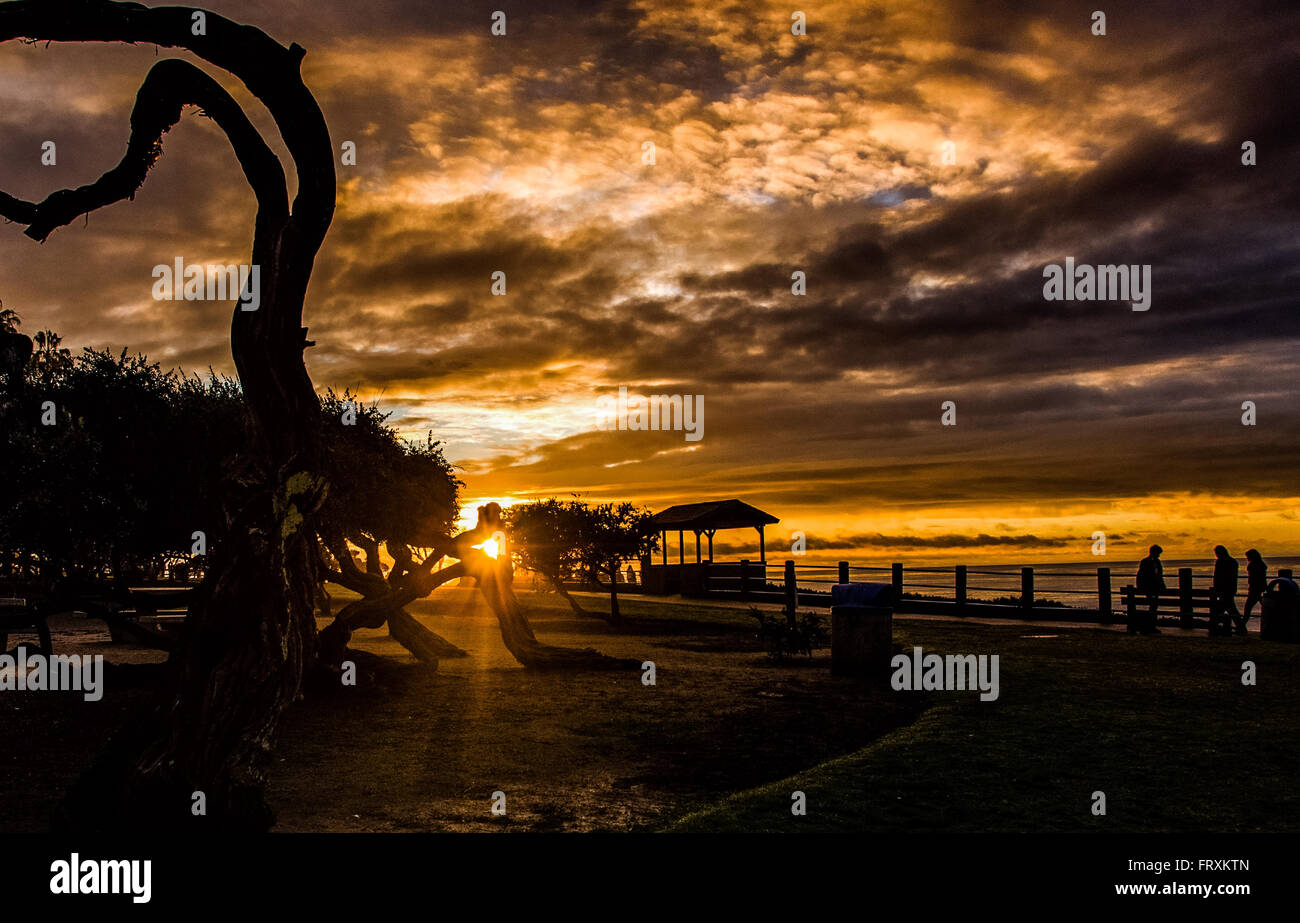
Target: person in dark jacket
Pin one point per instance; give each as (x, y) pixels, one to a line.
(1256, 584)
(1223, 598)
(1150, 583)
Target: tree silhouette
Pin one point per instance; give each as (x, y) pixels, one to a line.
(572, 540)
(615, 533)
(137, 463)
(546, 536)
(251, 634)
(242, 656)
(15, 350)
(9, 319)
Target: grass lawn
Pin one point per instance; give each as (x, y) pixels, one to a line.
(1163, 726)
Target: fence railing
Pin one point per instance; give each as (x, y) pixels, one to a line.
(958, 586)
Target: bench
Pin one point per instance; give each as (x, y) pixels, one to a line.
(133, 616)
(16, 615)
(151, 601)
(1185, 603)
(165, 607)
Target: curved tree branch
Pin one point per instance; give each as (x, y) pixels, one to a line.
(373, 610)
(12, 209)
(349, 575)
(267, 344)
(241, 658)
(169, 87)
(269, 70)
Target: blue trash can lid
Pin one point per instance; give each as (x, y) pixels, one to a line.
(1283, 586)
(862, 594)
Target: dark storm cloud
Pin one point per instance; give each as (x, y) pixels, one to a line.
(1207, 297)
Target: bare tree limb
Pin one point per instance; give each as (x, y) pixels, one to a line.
(373, 611)
(349, 575)
(12, 209)
(169, 87)
(371, 549)
(424, 644)
(269, 70)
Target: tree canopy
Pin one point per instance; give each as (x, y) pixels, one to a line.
(568, 540)
(134, 460)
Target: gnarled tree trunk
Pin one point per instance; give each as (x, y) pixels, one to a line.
(241, 658)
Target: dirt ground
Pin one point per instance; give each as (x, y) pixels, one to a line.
(47, 739)
(412, 749)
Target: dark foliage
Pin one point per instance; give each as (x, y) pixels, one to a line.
(788, 635)
(134, 462)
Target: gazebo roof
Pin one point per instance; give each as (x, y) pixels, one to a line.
(712, 514)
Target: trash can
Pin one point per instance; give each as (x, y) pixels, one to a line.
(862, 628)
(1281, 611)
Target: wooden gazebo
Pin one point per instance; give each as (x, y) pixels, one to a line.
(703, 519)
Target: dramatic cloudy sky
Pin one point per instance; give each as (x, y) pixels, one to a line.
(774, 153)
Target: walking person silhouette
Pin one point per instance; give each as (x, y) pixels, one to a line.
(1256, 584)
(1150, 583)
(1223, 595)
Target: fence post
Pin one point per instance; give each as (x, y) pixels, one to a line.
(844, 572)
(896, 578)
(1130, 608)
(1027, 587)
(960, 596)
(1185, 597)
(744, 578)
(791, 589)
(1104, 607)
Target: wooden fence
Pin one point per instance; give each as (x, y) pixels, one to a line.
(920, 589)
